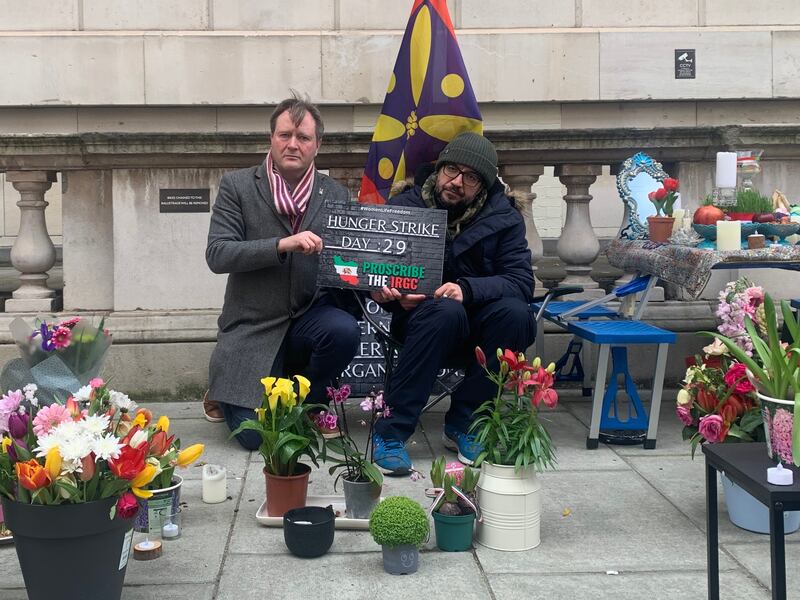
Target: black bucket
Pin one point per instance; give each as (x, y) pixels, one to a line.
(70, 551)
(308, 531)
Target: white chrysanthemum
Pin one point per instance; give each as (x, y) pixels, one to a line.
(121, 401)
(83, 394)
(75, 448)
(46, 443)
(95, 425)
(106, 447)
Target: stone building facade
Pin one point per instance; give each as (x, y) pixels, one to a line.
(105, 102)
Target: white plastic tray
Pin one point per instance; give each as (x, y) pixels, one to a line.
(342, 522)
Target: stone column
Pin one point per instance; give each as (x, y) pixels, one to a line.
(578, 246)
(33, 253)
(349, 177)
(520, 178)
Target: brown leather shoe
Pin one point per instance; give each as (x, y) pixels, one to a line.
(212, 410)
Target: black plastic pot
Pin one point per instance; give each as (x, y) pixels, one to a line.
(70, 551)
(308, 531)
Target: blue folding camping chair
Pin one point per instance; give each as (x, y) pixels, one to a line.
(591, 322)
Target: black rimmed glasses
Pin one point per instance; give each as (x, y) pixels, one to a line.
(469, 178)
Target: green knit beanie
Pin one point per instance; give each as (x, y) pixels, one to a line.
(473, 151)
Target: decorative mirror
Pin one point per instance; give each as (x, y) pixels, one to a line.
(639, 176)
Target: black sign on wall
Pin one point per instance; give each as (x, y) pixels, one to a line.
(685, 65)
(184, 200)
(367, 246)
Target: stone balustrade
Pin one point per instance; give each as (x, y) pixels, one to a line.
(120, 174)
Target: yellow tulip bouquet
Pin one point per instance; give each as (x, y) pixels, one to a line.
(283, 421)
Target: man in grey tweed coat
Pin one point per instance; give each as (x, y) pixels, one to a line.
(264, 233)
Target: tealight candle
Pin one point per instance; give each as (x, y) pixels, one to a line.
(170, 530)
(215, 488)
(729, 235)
(780, 476)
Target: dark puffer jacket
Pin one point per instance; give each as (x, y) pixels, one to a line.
(490, 258)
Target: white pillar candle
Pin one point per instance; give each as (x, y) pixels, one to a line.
(215, 489)
(726, 170)
(678, 216)
(729, 235)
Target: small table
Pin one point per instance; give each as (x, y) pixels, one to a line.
(690, 268)
(746, 465)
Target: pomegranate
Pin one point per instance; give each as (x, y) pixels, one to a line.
(708, 215)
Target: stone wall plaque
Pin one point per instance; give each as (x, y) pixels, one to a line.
(184, 200)
(367, 246)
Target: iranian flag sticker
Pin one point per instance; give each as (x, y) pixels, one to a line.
(347, 270)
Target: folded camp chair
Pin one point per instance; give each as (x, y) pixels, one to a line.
(590, 322)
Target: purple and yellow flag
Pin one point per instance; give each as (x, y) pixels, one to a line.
(428, 102)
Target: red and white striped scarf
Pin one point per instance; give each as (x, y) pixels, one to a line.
(291, 203)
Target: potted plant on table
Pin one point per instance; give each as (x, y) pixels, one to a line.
(400, 525)
(660, 225)
(516, 445)
(454, 507)
(287, 434)
(362, 479)
(719, 403)
(773, 367)
(69, 482)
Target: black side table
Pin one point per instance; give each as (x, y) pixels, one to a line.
(746, 465)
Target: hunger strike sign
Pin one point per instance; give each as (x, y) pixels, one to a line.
(368, 246)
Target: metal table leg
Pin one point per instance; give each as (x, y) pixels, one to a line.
(777, 551)
(712, 532)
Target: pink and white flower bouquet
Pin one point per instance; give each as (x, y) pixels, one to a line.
(58, 356)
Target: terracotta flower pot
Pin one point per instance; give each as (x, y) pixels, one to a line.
(286, 493)
(660, 228)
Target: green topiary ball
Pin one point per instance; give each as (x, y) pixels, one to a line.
(398, 520)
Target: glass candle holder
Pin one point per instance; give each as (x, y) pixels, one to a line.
(171, 525)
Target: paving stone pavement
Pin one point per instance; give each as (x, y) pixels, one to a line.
(635, 528)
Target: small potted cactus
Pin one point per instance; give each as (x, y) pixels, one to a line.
(400, 526)
(454, 506)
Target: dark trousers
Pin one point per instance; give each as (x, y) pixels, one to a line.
(318, 345)
(442, 332)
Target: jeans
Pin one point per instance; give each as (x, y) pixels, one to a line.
(441, 332)
(318, 345)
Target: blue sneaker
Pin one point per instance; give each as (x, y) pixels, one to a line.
(391, 456)
(463, 443)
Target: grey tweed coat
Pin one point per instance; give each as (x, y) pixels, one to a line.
(264, 290)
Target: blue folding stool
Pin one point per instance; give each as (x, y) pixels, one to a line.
(613, 334)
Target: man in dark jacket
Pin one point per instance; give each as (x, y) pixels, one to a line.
(484, 300)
